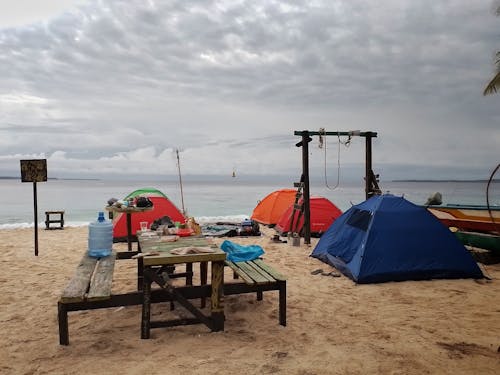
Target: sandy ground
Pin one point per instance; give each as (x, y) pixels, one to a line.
(334, 326)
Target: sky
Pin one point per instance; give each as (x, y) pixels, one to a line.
(115, 88)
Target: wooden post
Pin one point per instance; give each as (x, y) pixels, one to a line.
(368, 166)
(146, 308)
(62, 318)
(305, 178)
(35, 217)
(307, 202)
(217, 296)
(33, 171)
(129, 231)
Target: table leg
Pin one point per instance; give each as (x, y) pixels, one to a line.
(146, 308)
(140, 273)
(189, 272)
(62, 317)
(282, 303)
(129, 231)
(217, 297)
(203, 280)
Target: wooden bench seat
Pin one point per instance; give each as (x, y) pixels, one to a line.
(258, 277)
(91, 283)
(92, 280)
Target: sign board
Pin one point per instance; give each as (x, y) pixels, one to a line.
(34, 170)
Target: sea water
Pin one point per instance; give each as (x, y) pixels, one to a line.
(207, 199)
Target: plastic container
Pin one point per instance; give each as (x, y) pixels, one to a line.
(247, 223)
(100, 237)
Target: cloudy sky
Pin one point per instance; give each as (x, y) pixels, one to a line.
(106, 87)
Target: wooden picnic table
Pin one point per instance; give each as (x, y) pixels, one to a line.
(128, 210)
(153, 266)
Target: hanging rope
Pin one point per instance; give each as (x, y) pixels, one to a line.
(322, 144)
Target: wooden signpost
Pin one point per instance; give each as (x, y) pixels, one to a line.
(34, 170)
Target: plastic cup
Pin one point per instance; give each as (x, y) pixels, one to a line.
(144, 226)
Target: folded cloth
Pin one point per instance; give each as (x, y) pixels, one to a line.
(191, 250)
(240, 253)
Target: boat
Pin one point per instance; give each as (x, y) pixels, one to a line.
(468, 218)
(487, 241)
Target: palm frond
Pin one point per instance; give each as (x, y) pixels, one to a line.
(493, 86)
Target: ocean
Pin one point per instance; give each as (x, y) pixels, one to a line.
(207, 199)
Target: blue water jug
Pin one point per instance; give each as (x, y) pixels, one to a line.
(100, 237)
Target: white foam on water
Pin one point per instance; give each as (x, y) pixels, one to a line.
(74, 224)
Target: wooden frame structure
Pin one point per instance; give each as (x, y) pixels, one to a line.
(371, 185)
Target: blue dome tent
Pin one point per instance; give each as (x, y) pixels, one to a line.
(387, 238)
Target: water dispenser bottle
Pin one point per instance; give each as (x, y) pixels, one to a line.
(100, 237)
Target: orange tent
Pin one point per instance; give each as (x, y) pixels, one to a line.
(270, 209)
(323, 214)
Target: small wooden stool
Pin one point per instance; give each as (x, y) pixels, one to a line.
(60, 220)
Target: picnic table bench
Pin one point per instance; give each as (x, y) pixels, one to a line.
(91, 288)
(84, 292)
(258, 277)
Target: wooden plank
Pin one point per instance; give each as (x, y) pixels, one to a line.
(261, 272)
(217, 282)
(78, 285)
(165, 258)
(256, 276)
(247, 279)
(100, 287)
(271, 271)
(155, 245)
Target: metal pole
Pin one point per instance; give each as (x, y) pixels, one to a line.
(35, 218)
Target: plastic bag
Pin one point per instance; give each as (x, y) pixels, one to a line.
(240, 253)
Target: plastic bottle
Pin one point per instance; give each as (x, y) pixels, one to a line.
(100, 237)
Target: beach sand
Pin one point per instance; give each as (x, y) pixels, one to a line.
(334, 326)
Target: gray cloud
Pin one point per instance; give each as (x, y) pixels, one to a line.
(229, 81)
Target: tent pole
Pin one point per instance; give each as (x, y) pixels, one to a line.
(180, 181)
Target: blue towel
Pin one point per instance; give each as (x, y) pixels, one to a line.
(240, 253)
